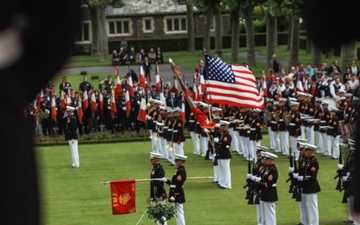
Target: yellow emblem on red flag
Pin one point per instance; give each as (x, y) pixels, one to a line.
(123, 196)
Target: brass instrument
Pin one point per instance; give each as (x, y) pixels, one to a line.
(159, 129)
(171, 148)
(269, 116)
(276, 115)
(286, 116)
(243, 128)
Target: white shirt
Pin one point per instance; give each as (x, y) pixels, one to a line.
(354, 84)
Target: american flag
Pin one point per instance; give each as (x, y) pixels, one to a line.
(231, 84)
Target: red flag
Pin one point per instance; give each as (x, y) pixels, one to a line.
(80, 112)
(157, 77)
(183, 118)
(198, 114)
(53, 109)
(123, 196)
(142, 111)
(40, 98)
(299, 86)
(68, 100)
(62, 101)
(93, 104)
(231, 84)
(113, 105)
(85, 101)
(264, 88)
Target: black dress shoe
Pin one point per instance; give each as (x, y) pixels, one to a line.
(348, 221)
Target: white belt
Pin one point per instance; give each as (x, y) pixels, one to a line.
(170, 130)
(246, 124)
(274, 185)
(166, 127)
(252, 128)
(281, 119)
(274, 122)
(173, 186)
(197, 122)
(322, 121)
(307, 176)
(11, 48)
(292, 124)
(331, 127)
(175, 131)
(192, 121)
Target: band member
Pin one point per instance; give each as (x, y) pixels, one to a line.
(294, 127)
(324, 121)
(309, 111)
(302, 108)
(284, 133)
(333, 133)
(178, 130)
(195, 137)
(274, 127)
(255, 135)
(318, 115)
(168, 126)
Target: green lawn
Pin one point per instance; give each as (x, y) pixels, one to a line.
(77, 197)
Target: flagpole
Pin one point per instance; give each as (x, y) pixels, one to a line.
(142, 216)
(152, 179)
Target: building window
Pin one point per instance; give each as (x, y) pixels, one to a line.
(175, 25)
(148, 25)
(119, 27)
(84, 34)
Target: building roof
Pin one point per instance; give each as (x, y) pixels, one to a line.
(147, 7)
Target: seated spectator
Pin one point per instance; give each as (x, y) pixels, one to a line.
(115, 58)
(152, 56)
(132, 56)
(142, 55)
(159, 56)
(122, 56)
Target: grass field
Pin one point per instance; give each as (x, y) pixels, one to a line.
(77, 197)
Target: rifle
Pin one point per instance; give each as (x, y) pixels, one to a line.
(295, 181)
(298, 189)
(291, 178)
(248, 181)
(339, 174)
(252, 188)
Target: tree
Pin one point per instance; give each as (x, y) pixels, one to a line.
(190, 26)
(348, 53)
(99, 44)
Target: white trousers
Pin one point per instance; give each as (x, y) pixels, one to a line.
(260, 213)
(179, 148)
(335, 146)
(269, 209)
(163, 149)
(196, 142)
(204, 145)
(234, 140)
(284, 137)
(326, 143)
(239, 149)
(241, 145)
(216, 171)
(270, 132)
(310, 134)
(302, 128)
(74, 153)
(276, 139)
(311, 212)
(179, 213)
(246, 143)
(319, 142)
(224, 173)
(293, 145)
(161, 201)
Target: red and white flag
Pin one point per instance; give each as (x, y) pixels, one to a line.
(118, 88)
(142, 111)
(127, 101)
(53, 108)
(231, 84)
(142, 76)
(35, 110)
(62, 101)
(157, 78)
(85, 102)
(93, 104)
(116, 71)
(101, 103)
(113, 106)
(299, 86)
(176, 86)
(130, 87)
(40, 98)
(68, 100)
(123, 196)
(80, 112)
(264, 89)
(183, 117)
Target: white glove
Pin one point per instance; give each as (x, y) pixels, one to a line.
(206, 130)
(300, 178)
(295, 175)
(216, 140)
(163, 179)
(291, 169)
(148, 117)
(252, 177)
(138, 102)
(340, 166)
(123, 108)
(258, 179)
(249, 176)
(344, 178)
(348, 174)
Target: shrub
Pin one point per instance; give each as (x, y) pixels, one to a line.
(83, 72)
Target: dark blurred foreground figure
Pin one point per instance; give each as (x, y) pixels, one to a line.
(320, 27)
(26, 34)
